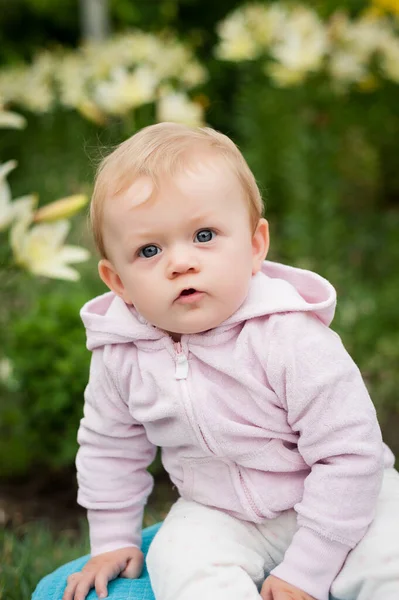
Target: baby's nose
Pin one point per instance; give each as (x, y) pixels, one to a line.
(182, 261)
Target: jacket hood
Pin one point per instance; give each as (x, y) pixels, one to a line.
(275, 289)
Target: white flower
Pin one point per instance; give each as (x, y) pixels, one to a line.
(41, 250)
(237, 42)
(193, 74)
(347, 67)
(12, 83)
(300, 47)
(113, 77)
(177, 107)
(10, 210)
(354, 44)
(125, 91)
(265, 22)
(6, 369)
(36, 86)
(169, 59)
(11, 119)
(72, 77)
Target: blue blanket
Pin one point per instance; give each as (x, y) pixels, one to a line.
(52, 586)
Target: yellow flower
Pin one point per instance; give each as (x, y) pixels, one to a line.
(391, 6)
(60, 209)
(40, 249)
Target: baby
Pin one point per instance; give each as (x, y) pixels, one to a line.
(226, 362)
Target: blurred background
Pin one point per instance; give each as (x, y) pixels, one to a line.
(310, 93)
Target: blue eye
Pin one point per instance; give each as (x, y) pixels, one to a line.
(205, 235)
(149, 251)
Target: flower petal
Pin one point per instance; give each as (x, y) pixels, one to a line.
(55, 270)
(50, 234)
(12, 120)
(6, 167)
(73, 254)
(61, 209)
(5, 194)
(23, 207)
(18, 239)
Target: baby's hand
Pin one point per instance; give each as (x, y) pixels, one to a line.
(126, 562)
(277, 589)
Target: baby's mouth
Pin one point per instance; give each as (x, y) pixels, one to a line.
(188, 292)
(189, 295)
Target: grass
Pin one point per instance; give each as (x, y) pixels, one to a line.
(29, 552)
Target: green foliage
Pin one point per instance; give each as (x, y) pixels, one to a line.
(30, 553)
(50, 23)
(53, 23)
(326, 165)
(41, 408)
(56, 154)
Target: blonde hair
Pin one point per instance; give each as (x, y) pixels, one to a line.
(155, 151)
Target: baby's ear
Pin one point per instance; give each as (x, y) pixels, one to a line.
(110, 277)
(260, 245)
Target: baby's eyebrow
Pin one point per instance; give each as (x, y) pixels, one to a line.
(201, 219)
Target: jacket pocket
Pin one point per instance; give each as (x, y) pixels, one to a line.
(211, 481)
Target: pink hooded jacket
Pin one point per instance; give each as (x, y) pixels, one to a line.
(262, 414)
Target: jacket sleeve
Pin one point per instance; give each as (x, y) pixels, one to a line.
(328, 406)
(112, 464)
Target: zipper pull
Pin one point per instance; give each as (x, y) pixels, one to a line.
(181, 370)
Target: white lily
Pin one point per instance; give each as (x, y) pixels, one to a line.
(300, 47)
(11, 119)
(11, 210)
(347, 67)
(40, 249)
(237, 42)
(354, 45)
(125, 90)
(177, 107)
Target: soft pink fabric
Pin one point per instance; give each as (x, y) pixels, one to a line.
(269, 413)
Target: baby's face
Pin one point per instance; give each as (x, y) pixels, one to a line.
(183, 254)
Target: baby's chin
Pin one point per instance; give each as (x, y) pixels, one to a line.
(193, 329)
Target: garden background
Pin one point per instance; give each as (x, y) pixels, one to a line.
(310, 93)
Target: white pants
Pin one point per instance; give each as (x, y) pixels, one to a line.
(204, 554)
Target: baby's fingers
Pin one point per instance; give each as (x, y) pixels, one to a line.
(72, 583)
(107, 572)
(133, 568)
(78, 586)
(84, 586)
(101, 583)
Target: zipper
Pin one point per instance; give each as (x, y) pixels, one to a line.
(181, 373)
(181, 368)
